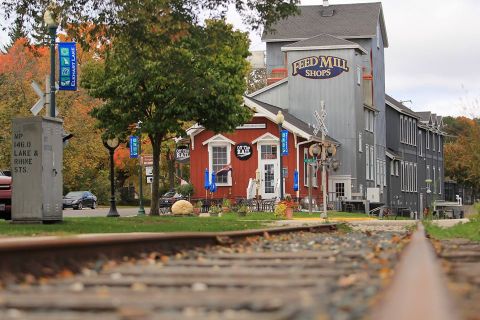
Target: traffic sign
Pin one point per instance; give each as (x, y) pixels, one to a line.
(133, 147)
(38, 106)
(148, 171)
(309, 160)
(147, 160)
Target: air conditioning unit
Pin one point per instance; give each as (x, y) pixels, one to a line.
(373, 194)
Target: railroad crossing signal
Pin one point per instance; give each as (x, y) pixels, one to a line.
(38, 106)
(320, 117)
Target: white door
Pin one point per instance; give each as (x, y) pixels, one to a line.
(269, 170)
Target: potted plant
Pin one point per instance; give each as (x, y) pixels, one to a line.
(215, 211)
(242, 210)
(197, 208)
(226, 205)
(285, 207)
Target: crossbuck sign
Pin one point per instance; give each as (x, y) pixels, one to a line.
(320, 117)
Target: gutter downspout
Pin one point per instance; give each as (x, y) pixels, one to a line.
(298, 162)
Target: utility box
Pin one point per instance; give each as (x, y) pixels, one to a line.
(37, 161)
(373, 194)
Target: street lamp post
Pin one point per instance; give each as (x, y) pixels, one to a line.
(141, 210)
(52, 25)
(280, 119)
(111, 145)
(428, 191)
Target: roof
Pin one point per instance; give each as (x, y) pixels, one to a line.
(290, 119)
(400, 107)
(358, 20)
(323, 41)
(424, 115)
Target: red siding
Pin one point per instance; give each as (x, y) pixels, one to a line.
(242, 171)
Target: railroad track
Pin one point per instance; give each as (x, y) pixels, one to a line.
(291, 273)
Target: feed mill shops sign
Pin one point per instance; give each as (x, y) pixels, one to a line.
(243, 151)
(321, 67)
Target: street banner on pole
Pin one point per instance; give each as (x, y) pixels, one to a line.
(68, 65)
(133, 147)
(284, 143)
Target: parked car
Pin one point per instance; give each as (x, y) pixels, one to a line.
(168, 199)
(5, 197)
(79, 200)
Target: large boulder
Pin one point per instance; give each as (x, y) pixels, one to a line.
(182, 207)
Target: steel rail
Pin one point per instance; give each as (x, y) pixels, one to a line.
(418, 289)
(48, 255)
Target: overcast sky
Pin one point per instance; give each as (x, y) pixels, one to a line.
(433, 54)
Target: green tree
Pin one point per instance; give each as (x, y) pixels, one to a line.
(168, 71)
(110, 19)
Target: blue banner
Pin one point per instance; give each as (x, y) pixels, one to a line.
(133, 147)
(284, 143)
(67, 53)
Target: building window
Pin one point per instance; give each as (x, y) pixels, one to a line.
(414, 131)
(384, 165)
(439, 181)
(402, 176)
(434, 142)
(268, 151)
(367, 161)
(420, 145)
(369, 120)
(434, 181)
(409, 132)
(415, 177)
(392, 168)
(396, 168)
(360, 143)
(401, 129)
(439, 143)
(340, 189)
(372, 163)
(219, 160)
(427, 143)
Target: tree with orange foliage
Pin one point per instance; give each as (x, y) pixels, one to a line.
(462, 153)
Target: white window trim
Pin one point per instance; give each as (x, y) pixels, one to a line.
(359, 75)
(229, 160)
(402, 176)
(360, 142)
(433, 142)
(367, 162)
(396, 168)
(439, 181)
(401, 129)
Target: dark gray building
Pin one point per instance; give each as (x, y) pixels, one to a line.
(335, 54)
(414, 157)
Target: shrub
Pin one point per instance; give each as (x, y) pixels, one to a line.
(226, 203)
(185, 190)
(280, 210)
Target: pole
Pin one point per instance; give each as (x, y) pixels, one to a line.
(281, 162)
(141, 210)
(53, 31)
(310, 178)
(113, 208)
(324, 171)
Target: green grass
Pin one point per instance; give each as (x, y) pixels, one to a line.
(82, 225)
(131, 224)
(469, 230)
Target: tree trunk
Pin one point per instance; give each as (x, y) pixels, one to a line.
(156, 141)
